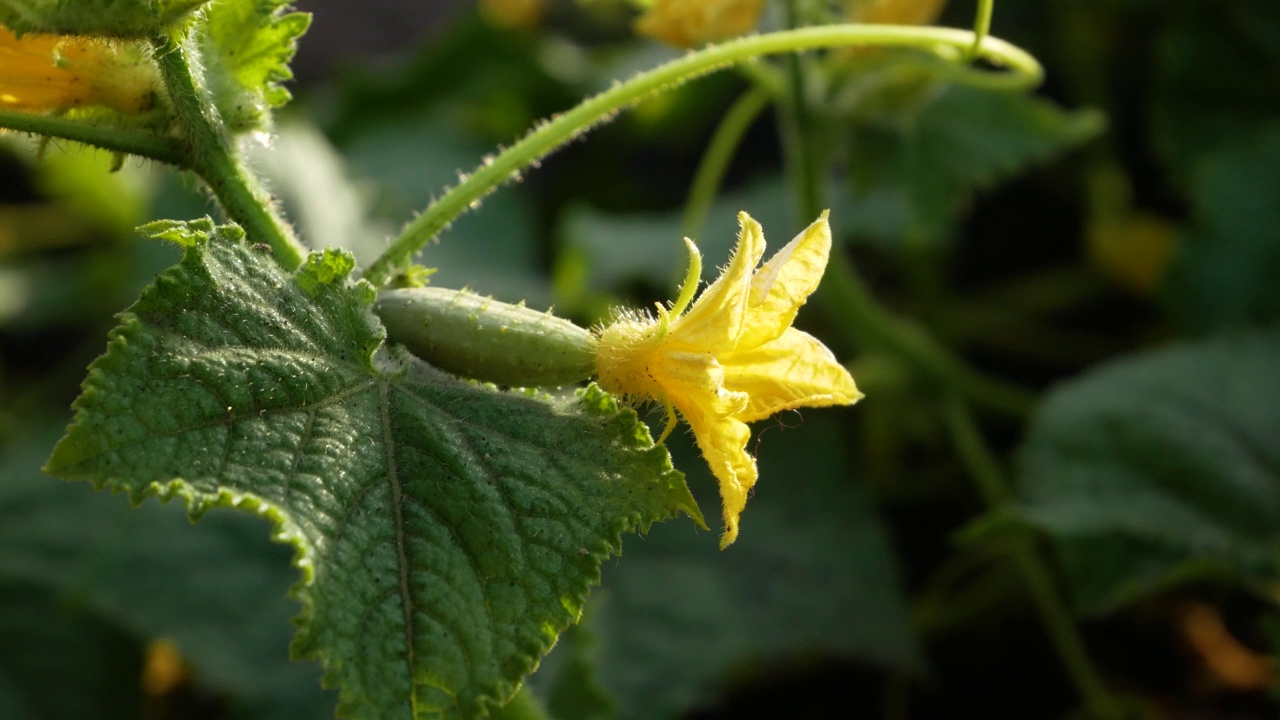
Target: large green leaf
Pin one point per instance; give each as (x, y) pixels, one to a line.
(1161, 468)
(912, 169)
(247, 46)
(446, 532)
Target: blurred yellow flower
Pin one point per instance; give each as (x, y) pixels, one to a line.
(44, 73)
(514, 13)
(895, 12)
(733, 358)
(691, 23)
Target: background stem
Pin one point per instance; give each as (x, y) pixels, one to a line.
(1058, 621)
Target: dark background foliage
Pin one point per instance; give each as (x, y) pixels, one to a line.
(1124, 273)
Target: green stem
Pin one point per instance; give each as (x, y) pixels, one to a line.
(981, 26)
(987, 475)
(803, 166)
(131, 142)
(1026, 73)
(715, 161)
(214, 157)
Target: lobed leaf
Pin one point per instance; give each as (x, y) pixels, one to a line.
(447, 532)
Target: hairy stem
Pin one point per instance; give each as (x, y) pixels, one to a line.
(986, 473)
(131, 142)
(212, 154)
(1026, 72)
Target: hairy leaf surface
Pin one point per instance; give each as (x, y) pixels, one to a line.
(447, 532)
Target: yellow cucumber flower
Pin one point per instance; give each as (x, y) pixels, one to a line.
(895, 12)
(690, 23)
(514, 13)
(733, 358)
(45, 73)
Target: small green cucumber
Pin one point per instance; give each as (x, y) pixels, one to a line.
(480, 338)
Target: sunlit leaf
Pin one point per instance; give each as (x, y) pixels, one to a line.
(446, 532)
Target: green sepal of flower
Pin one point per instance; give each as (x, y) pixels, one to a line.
(104, 18)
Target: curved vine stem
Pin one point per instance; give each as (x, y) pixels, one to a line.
(1024, 72)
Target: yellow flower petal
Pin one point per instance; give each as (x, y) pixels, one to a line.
(896, 12)
(782, 284)
(793, 370)
(46, 73)
(715, 320)
(723, 442)
(733, 357)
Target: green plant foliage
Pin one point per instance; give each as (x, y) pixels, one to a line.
(1161, 468)
(1225, 272)
(811, 575)
(914, 167)
(116, 577)
(1202, 105)
(446, 532)
(62, 661)
(247, 48)
(575, 692)
(116, 18)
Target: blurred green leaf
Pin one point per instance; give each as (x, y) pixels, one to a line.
(912, 170)
(1217, 79)
(312, 180)
(58, 661)
(97, 561)
(811, 574)
(447, 532)
(408, 161)
(1226, 269)
(568, 679)
(1161, 468)
(647, 247)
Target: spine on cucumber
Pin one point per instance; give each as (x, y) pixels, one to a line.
(484, 339)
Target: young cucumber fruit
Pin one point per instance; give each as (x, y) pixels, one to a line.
(481, 338)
